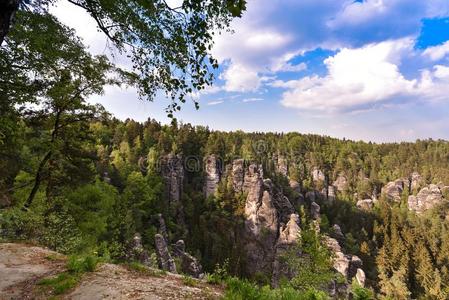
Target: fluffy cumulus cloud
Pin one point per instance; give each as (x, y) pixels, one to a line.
(362, 77)
(437, 52)
(240, 78)
(272, 33)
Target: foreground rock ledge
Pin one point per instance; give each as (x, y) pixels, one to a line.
(22, 266)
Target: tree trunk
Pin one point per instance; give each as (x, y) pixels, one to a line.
(37, 180)
(47, 157)
(7, 10)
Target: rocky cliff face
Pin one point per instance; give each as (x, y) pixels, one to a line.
(213, 174)
(281, 164)
(318, 175)
(341, 183)
(347, 265)
(261, 224)
(238, 174)
(172, 171)
(427, 198)
(288, 236)
(393, 190)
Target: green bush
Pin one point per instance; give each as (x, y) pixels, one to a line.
(360, 293)
(80, 265)
(238, 289)
(61, 283)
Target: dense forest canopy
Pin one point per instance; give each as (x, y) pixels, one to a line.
(104, 182)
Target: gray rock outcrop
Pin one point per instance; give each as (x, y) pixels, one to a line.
(427, 198)
(346, 265)
(136, 251)
(416, 181)
(172, 171)
(360, 277)
(164, 258)
(261, 224)
(393, 190)
(315, 211)
(331, 194)
(341, 183)
(238, 174)
(337, 233)
(298, 197)
(212, 170)
(318, 175)
(288, 237)
(281, 165)
(189, 264)
(366, 204)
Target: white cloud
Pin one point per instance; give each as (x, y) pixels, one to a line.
(215, 102)
(240, 78)
(359, 12)
(365, 76)
(437, 52)
(246, 100)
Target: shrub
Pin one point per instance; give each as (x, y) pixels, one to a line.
(238, 289)
(80, 265)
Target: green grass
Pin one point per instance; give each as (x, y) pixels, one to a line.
(55, 257)
(144, 270)
(239, 289)
(76, 267)
(60, 283)
(189, 281)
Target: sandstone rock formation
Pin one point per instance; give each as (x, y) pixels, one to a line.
(393, 190)
(213, 174)
(346, 265)
(360, 277)
(315, 211)
(164, 258)
(318, 175)
(416, 181)
(189, 264)
(366, 204)
(281, 165)
(337, 233)
(238, 174)
(261, 224)
(288, 236)
(136, 251)
(298, 198)
(341, 183)
(427, 198)
(331, 194)
(172, 171)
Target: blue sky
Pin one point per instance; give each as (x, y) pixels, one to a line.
(375, 70)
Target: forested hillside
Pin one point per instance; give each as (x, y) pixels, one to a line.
(232, 198)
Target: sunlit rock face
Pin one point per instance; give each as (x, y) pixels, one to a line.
(238, 174)
(261, 224)
(288, 237)
(393, 190)
(427, 198)
(416, 181)
(318, 175)
(341, 183)
(164, 257)
(345, 264)
(172, 171)
(366, 204)
(281, 165)
(213, 175)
